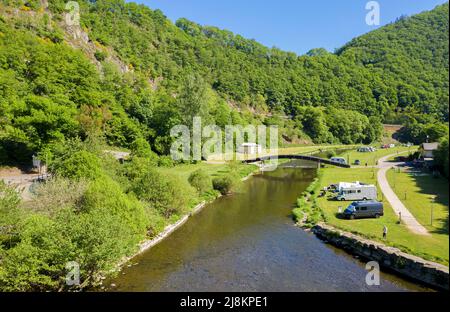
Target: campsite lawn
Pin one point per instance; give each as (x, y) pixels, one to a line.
(371, 158)
(417, 191)
(434, 247)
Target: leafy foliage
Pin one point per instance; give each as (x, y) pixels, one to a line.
(200, 180)
(146, 75)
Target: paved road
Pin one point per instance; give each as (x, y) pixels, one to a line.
(407, 218)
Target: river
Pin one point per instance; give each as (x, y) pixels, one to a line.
(248, 242)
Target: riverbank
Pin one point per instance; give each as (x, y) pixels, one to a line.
(429, 273)
(147, 244)
(314, 209)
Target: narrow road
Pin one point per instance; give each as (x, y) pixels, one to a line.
(407, 218)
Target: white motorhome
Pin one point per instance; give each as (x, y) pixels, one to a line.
(342, 185)
(357, 192)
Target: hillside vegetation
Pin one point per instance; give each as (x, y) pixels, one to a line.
(128, 73)
(125, 75)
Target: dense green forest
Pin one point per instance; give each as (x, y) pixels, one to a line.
(129, 73)
(126, 75)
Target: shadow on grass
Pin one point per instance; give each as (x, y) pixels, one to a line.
(435, 186)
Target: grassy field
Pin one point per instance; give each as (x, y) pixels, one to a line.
(371, 158)
(417, 191)
(435, 247)
(214, 170)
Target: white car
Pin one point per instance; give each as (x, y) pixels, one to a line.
(339, 160)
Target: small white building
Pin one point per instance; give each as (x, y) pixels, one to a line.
(250, 148)
(427, 150)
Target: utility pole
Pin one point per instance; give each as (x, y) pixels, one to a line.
(433, 198)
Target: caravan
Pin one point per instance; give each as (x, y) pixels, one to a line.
(357, 192)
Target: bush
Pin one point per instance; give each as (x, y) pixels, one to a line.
(167, 194)
(81, 164)
(10, 214)
(141, 148)
(56, 194)
(100, 55)
(201, 181)
(37, 261)
(106, 225)
(165, 161)
(224, 184)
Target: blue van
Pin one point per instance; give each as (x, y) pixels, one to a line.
(364, 209)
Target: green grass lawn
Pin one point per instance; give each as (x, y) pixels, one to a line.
(214, 170)
(371, 158)
(435, 247)
(417, 190)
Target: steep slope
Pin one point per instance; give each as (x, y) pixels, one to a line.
(127, 73)
(412, 55)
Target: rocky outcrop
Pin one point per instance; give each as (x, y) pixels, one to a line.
(427, 272)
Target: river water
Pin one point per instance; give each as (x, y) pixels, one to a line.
(248, 242)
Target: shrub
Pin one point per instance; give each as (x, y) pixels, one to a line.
(56, 194)
(224, 184)
(167, 194)
(141, 148)
(10, 214)
(165, 161)
(200, 180)
(106, 195)
(106, 226)
(37, 261)
(100, 55)
(81, 164)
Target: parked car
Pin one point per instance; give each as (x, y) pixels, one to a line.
(357, 192)
(357, 162)
(366, 149)
(364, 209)
(339, 160)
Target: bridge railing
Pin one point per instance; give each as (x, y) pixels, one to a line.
(302, 157)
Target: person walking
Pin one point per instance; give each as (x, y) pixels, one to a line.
(385, 231)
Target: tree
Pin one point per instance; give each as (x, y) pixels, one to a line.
(441, 156)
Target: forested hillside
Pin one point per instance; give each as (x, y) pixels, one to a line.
(126, 74)
(129, 73)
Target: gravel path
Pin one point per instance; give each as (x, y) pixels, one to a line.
(407, 218)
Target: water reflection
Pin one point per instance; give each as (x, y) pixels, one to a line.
(247, 242)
